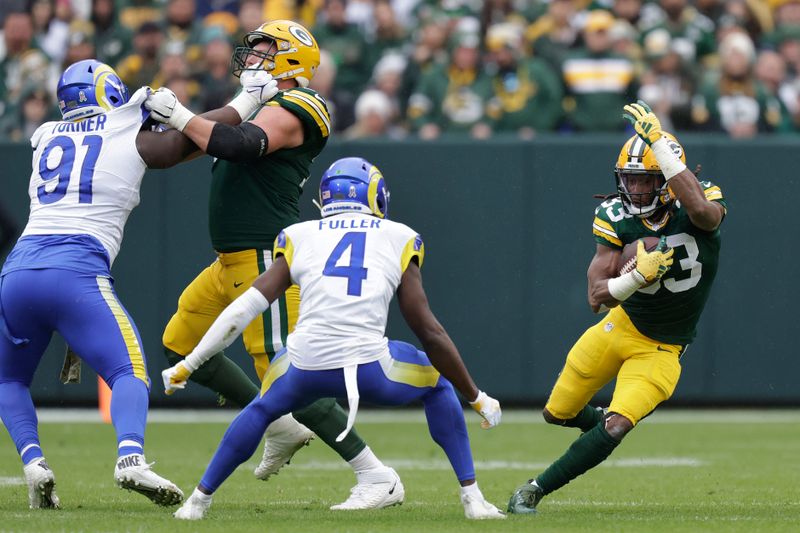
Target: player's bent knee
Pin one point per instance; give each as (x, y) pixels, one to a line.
(617, 426)
(551, 419)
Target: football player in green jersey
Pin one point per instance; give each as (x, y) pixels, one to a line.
(654, 308)
(257, 178)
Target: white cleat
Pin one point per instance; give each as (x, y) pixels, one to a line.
(284, 437)
(376, 489)
(195, 508)
(133, 473)
(477, 508)
(41, 485)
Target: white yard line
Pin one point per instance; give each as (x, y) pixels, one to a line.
(437, 464)
(395, 416)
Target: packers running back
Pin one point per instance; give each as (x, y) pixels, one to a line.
(654, 308)
(669, 309)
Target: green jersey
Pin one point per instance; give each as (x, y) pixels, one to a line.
(668, 310)
(251, 203)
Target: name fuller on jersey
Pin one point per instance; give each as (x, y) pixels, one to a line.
(95, 123)
(350, 223)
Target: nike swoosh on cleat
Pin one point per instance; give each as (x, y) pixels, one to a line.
(391, 491)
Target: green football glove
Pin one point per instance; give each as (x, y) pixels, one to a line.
(652, 265)
(644, 121)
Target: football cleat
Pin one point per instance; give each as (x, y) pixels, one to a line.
(375, 489)
(526, 498)
(477, 508)
(284, 437)
(195, 507)
(41, 485)
(133, 473)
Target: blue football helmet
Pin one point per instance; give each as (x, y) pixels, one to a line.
(353, 184)
(88, 88)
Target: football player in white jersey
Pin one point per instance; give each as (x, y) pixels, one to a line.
(348, 266)
(87, 170)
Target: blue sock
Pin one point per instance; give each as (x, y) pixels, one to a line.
(448, 428)
(129, 402)
(238, 444)
(19, 416)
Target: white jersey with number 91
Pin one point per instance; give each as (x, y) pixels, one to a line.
(348, 267)
(87, 174)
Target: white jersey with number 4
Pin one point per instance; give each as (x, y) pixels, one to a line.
(86, 175)
(348, 267)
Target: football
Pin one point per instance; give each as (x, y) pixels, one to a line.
(627, 261)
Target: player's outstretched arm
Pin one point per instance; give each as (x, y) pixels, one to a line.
(440, 348)
(435, 341)
(703, 213)
(164, 149)
(231, 322)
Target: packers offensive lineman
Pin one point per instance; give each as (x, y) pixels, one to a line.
(258, 175)
(348, 266)
(654, 308)
(85, 180)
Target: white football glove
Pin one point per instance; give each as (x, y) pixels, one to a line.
(165, 108)
(488, 408)
(175, 378)
(258, 87)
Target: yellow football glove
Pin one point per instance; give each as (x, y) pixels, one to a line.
(652, 265)
(644, 121)
(175, 378)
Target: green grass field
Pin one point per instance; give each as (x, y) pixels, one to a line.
(679, 471)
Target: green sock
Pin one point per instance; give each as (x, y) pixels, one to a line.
(588, 418)
(327, 419)
(223, 376)
(588, 451)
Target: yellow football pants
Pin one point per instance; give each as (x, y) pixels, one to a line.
(647, 371)
(216, 287)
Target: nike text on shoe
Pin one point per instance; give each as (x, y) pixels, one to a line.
(375, 489)
(41, 485)
(283, 438)
(477, 508)
(525, 498)
(133, 473)
(195, 508)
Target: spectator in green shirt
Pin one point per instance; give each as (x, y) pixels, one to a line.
(527, 92)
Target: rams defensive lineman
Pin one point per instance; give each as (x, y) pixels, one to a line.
(655, 307)
(87, 170)
(348, 266)
(258, 176)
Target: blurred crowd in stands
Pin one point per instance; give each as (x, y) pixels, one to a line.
(395, 68)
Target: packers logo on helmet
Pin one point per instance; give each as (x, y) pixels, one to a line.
(640, 182)
(287, 51)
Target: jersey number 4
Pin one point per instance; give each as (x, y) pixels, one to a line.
(62, 170)
(355, 272)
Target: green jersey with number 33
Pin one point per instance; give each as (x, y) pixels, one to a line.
(668, 310)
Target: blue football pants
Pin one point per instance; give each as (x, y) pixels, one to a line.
(403, 377)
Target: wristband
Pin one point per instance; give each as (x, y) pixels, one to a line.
(622, 287)
(180, 117)
(670, 164)
(245, 104)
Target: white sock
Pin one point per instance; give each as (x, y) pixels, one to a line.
(472, 490)
(197, 495)
(364, 461)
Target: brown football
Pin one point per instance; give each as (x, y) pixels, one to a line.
(627, 261)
